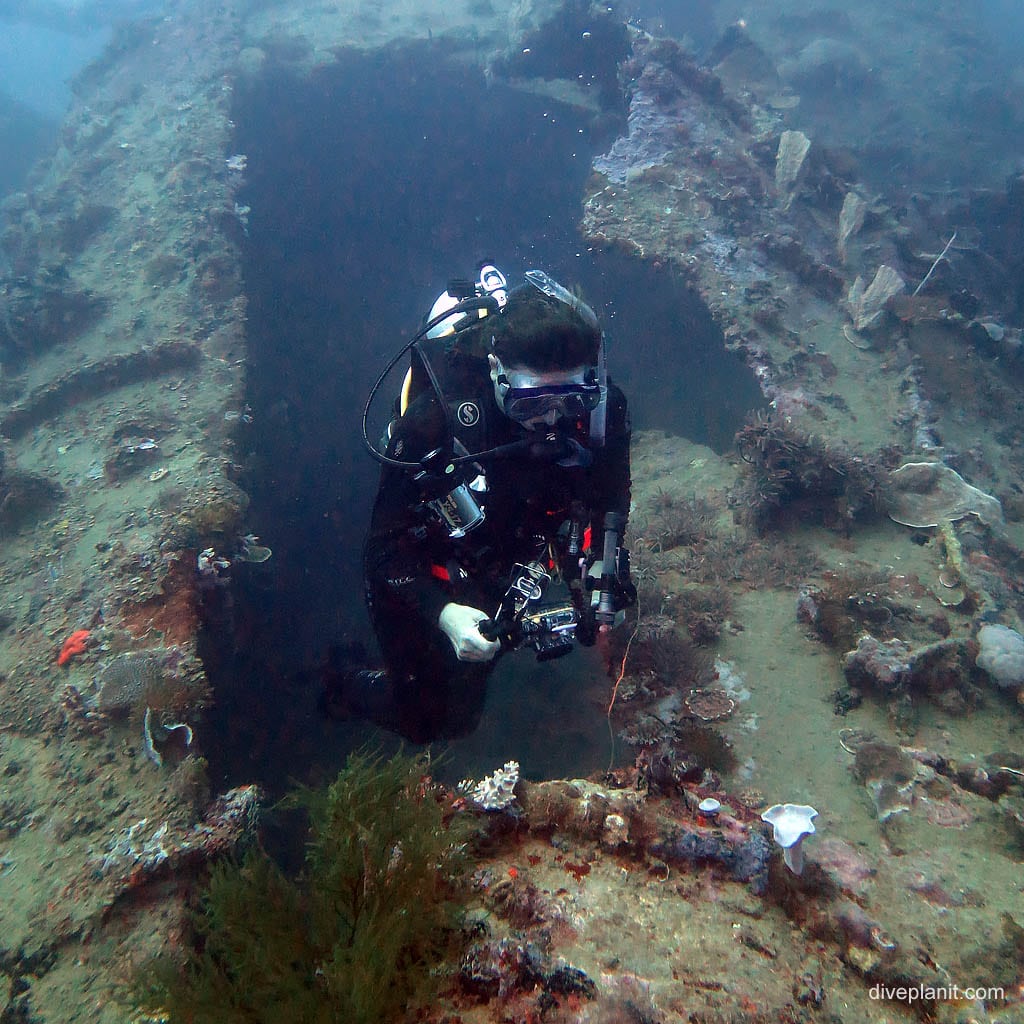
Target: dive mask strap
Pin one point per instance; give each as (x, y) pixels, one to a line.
(599, 416)
(549, 286)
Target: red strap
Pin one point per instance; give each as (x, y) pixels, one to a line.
(588, 537)
(441, 573)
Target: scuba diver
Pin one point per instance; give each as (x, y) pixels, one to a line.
(505, 468)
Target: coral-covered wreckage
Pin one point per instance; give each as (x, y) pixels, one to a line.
(866, 523)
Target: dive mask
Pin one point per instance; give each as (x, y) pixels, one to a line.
(525, 397)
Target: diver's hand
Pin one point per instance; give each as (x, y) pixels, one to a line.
(459, 623)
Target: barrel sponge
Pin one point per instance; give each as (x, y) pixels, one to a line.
(1001, 655)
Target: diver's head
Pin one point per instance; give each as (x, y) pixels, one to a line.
(545, 328)
(544, 350)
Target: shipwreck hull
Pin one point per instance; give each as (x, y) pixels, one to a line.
(246, 213)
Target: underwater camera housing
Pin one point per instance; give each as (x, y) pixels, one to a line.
(522, 621)
(550, 630)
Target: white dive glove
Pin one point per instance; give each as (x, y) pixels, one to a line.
(459, 624)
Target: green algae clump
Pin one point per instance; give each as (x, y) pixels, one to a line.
(357, 938)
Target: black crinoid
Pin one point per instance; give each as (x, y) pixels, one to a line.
(678, 520)
(795, 476)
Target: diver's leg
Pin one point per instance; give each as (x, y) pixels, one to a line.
(424, 694)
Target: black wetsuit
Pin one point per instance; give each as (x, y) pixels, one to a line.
(413, 568)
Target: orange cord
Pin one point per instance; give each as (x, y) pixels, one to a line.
(615, 688)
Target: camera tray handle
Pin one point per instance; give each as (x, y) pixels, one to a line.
(527, 587)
